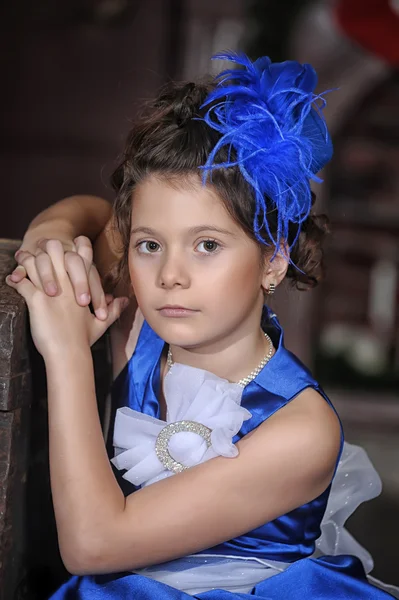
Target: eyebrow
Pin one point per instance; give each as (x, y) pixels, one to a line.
(192, 230)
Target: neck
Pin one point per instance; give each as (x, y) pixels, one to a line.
(232, 361)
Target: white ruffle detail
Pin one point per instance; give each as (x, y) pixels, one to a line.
(200, 573)
(355, 482)
(191, 394)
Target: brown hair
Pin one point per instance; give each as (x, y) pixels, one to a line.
(171, 140)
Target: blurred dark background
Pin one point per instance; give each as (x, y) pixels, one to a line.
(74, 73)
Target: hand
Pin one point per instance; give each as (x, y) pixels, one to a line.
(58, 323)
(79, 265)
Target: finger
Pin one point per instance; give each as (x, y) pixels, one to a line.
(85, 249)
(55, 250)
(116, 308)
(25, 287)
(76, 270)
(18, 274)
(42, 245)
(21, 255)
(108, 298)
(20, 251)
(97, 294)
(46, 273)
(28, 261)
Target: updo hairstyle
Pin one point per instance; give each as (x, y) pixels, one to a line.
(170, 140)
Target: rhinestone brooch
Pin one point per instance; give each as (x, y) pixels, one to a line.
(162, 442)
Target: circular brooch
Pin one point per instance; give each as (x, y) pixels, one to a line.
(162, 442)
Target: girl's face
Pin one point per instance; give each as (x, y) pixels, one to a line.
(197, 277)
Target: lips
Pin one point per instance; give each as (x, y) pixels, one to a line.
(174, 310)
(174, 306)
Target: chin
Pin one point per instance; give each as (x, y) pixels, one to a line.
(177, 332)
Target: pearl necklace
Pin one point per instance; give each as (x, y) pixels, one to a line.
(245, 380)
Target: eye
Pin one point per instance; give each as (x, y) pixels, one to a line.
(148, 247)
(209, 247)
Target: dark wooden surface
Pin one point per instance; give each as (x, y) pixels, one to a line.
(15, 397)
(30, 564)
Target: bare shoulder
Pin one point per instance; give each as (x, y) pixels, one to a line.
(312, 433)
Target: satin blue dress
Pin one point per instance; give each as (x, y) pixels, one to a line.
(290, 538)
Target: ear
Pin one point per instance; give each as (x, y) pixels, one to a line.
(275, 269)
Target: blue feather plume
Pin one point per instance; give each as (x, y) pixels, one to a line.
(269, 114)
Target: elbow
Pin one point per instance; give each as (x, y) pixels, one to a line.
(87, 558)
(92, 551)
(77, 563)
(74, 567)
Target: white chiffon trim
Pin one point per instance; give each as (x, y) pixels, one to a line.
(355, 481)
(191, 395)
(203, 572)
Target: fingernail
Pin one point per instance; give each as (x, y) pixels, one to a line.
(51, 288)
(101, 313)
(125, 303)
(14, 276)
(85, 298)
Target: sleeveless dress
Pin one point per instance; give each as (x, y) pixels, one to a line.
(305, 554)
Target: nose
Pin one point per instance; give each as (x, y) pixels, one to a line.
(173, 271)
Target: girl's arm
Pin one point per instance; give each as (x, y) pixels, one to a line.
(67, 219)
(285, 463)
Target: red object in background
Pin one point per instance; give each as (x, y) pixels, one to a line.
(374, 24)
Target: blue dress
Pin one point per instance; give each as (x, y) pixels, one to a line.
(289, 540)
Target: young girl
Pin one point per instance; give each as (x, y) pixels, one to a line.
(227, 443)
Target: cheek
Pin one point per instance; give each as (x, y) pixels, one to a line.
(137, 275)
(241, 277)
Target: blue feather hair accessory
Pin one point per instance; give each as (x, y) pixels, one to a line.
(268, 113)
